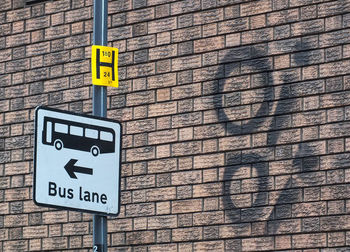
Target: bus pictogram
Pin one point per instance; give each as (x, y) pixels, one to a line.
(78, 136)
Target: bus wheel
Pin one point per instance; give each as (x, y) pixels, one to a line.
(95, 151)
(58, 144)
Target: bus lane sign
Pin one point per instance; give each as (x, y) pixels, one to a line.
(76, 162)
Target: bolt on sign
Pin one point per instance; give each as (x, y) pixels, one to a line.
(104, 66)
(76, 162)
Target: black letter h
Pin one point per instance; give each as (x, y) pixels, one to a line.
(105, 64)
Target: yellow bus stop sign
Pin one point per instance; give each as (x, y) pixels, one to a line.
(104, 66)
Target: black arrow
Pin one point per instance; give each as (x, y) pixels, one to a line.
(71, 169)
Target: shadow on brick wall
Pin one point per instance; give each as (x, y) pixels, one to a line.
(272, 110)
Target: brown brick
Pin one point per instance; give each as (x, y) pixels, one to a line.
(162, 25)
(211, 160)
(309, 149)
(57, 32)
(37, 23)
(140, 70)
(333, 161)
(210, 16)
(334, 68)
(332, 192)
(284, 46)
(161, 222)
(166, 193)
(334, 130)
(162, 10)
(57, 7)
(140, 98)
(165, 136)
(309, 240)
(161, 109)
(208, 218)
(76, 67)
(186, 148)
(186, 178)
(19, 14)
(141, 42)
(284, 167)
(234, 230)
(76, 41)
(307, 27)
(5, 55)
(309, 179)
(16, 168)
(258, 244)
(333, 223)
(333, 8)
(35, 232)
(187, 62)
(209, 189)
(163, 94)
(120, 6)
(118, 225)
(283, 17)
(54, 217)
(55, 243)
(19, 245)
(235, 25)
(162, 247)
(75, 228)
(162, 52)
(336, 239)
(186, 34)
(257, 36)
(163, 165)
(187, 234)
(185, 91)
(17, 194)
(186, 206)
(209, 44)
(334, 38)
(283, 242)
(77, 15)
(309, 209)
(137, 182)
(335, 207)
(209, 246)
(17, 40)
(140, 15)
(37, 49)
(185, 6)
(140, 126)
(35, 244)
(143, 209)
(289, 196)
(234, 142)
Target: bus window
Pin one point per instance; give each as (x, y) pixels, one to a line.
(91, 133)
(48, 131)
(106, 136)
(61, 128)
(77, 131)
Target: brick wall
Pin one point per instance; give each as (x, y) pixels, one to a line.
(235, 114)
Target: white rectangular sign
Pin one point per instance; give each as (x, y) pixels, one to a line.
(77, 162)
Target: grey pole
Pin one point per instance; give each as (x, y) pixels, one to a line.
(99, 104)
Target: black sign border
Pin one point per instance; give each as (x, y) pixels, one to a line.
(35, 161)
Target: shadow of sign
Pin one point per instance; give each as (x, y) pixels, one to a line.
(272, 102)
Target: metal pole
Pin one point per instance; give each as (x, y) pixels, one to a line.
(99, 104)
